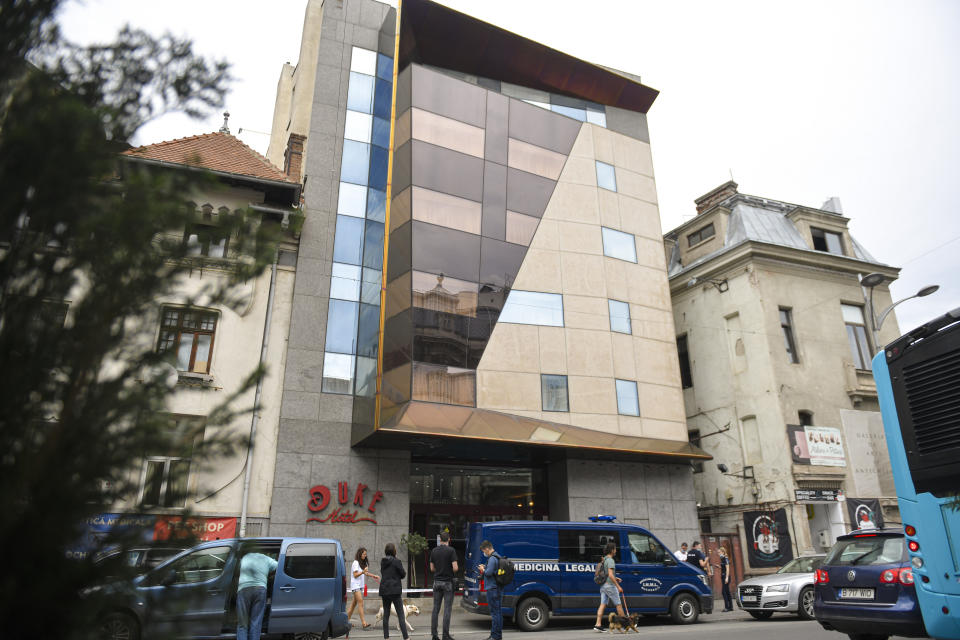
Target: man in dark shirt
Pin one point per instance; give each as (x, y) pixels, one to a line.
(443, 563)
(695, 556)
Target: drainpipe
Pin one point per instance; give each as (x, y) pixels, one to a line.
(256, 399)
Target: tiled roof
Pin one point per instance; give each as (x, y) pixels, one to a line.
(215, 151)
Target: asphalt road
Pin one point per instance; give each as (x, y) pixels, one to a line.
(733, 626)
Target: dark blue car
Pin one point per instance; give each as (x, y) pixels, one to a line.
(194, 595)
(865, 587)
(555, 562)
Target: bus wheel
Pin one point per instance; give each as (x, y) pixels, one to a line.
(532, 615)
(684, 609)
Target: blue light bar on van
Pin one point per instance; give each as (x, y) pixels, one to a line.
(600, 518)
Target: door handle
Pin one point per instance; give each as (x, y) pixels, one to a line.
(287, 588)
(637, 573)
(214, 591)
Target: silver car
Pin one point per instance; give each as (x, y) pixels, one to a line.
(790, 589)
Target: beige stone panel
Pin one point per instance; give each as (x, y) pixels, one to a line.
(400, 208)
(590, 394)
(664, 430)
(650, 253)
(649, 287)
(547, 235)
(580, 171)
(631, 425)
(616, 276)
(402, 131)
(512, 347)
(560, 417)
(447, 132)
(508, 390)
(639, 218)
(574, 202)
(580, 238)
(609, 202)
(553, 350)
(657, 362)
(536, 415)
(540, 271)
(624, 360)
(596, 422)
(603, 146)
(589, 353)
(533, 159)
(661, 402)
(585, 312)
(583, 145)
(655, 324)
(636, 185)
(583, 274)
(633, 155)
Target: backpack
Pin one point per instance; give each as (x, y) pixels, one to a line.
(505, 571)
(600, 576)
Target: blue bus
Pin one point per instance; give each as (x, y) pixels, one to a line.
(918, 384)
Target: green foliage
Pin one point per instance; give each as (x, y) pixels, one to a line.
(83, 399)
(416, 544)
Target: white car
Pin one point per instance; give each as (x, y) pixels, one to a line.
(789, 590)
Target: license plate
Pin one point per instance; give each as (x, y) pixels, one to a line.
(750, 598)
(858, 594)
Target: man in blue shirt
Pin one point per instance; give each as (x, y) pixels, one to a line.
(493, 590)
(252, 594)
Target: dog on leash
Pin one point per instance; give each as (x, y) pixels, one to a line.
(409, 609)
(623, 624)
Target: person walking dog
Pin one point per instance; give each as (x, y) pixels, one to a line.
(443, 563)
(494, 595)
(610, 590)
(391, 589)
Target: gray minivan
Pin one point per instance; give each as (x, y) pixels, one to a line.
(194, 594)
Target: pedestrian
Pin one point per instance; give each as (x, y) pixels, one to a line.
(255, 568)
(489, 570)
(695, 556)
(610, 590)
(358, 580)
(681, 553)
(725, 580)
(391, 589)
(443, 564)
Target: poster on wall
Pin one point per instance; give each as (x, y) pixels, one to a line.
(768, 538)
(865, 514)
(816, 445)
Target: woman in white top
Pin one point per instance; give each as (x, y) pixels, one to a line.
(358, 577)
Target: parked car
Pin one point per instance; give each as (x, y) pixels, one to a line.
(865, 587)
(554, 563)
(194, 594)
(139, 559)
(789, 590)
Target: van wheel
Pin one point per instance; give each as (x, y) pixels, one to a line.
(684, 609)
(805, 610)
(761, 615)
(311, 635)
(533, 614)
(119, 626)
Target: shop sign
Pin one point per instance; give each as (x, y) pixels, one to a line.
(201, 529)
(865, 514)
(343, 513)
(147, 528)
(817, 495)
(768, 538)
(816, 446)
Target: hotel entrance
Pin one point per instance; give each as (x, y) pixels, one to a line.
(446, 497)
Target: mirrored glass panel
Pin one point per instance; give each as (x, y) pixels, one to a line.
(520, 228)
(363, 61)
(355, 165)
(446, 210)
(381, 132)
(619, 316)
(342, 326)
(597, 116)
(571, 112)
(377, 205)
(352, 200)
(446, 385)
(553, 393)
(620, 245)
(368, 334)
(366, 377)
(360, 93)
(370, 291)
(373, 245)
(606, 176)
(358, 126)
(378, 168)
(345, 282)
(337, 373)
(442, 293)
(384, 67)
(447, 132)
(381, 99)
(348, 242)
(628, 403)
(532, 307)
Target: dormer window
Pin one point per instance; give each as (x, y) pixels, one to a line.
(829, 241)
(698, 236)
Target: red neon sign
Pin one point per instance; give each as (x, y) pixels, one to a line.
(320, 499)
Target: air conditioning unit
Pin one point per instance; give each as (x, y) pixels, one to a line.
(824, 537)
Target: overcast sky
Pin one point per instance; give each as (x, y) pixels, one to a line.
(798, 101)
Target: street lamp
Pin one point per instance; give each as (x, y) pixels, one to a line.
(870, 281)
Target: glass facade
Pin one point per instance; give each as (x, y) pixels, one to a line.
(353, 315)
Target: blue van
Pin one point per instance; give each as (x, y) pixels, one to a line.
(194, 594)
(555, 562)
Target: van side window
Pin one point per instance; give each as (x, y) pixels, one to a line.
(645, 550)
(586, 545)
(199, 566)
(311, 560)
